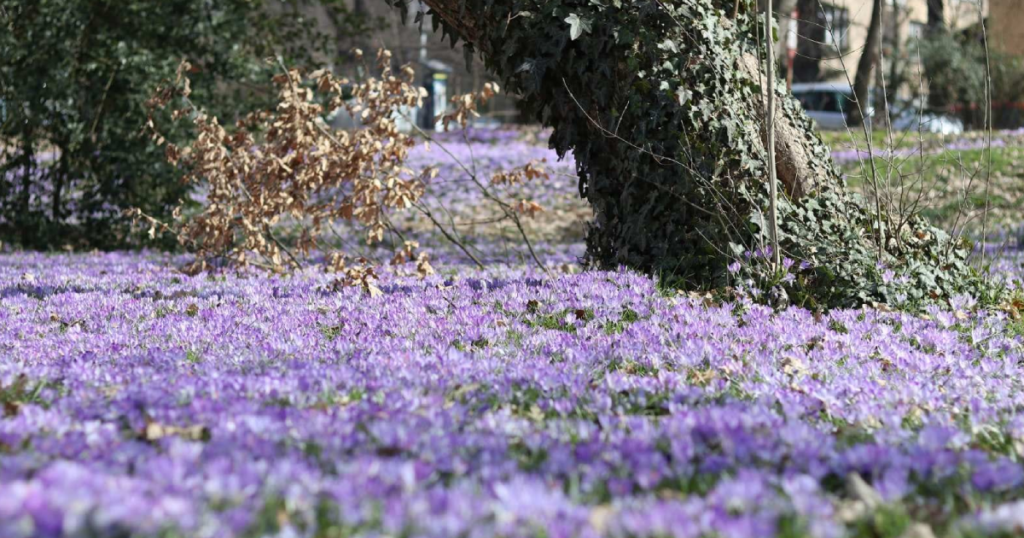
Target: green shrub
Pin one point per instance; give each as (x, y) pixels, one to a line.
(74, 79)
(956, 68)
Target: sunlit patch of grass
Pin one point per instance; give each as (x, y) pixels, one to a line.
(948, 186)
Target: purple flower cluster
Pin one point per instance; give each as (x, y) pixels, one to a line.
(453, 185)
(456, 198)
(138, 401)
(495, 135)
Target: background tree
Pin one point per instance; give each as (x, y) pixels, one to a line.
(661, 104)
(897, 57)
(955, 64)
(939, 95)
(936, 16)
(74, 79)
(866, 65)
(813, 43)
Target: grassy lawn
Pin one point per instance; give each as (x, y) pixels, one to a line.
(944, 177)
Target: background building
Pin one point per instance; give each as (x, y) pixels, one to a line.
(832, 33)
(931, 56)
(1006, 23)
(829, 38)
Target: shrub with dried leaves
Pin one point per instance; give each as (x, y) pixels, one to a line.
(521, 174)
(518, 175)
(287, 163)
(286, 168)
(465, 106)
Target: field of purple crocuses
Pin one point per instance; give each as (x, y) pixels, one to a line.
(506, 401)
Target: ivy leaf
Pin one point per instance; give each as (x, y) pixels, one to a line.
(683, 95)
(577, 26)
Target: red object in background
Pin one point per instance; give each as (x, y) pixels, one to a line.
(998, 105)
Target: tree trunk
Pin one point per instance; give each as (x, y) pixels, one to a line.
(796, 170)
(892, 86)
(938, 98)
(868, 59)
(661, 104)
(936, 16)
(812, 43)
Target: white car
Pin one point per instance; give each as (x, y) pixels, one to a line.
(829, 104)
(911, 119)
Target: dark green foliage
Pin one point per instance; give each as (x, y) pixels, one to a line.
(956, 68)
(664, 126)
(74, 79)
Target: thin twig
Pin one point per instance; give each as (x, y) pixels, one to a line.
(448, 236)
(988, 133)
(657, 158)
(888, 126)
(508, 211)
(609, 134)
(280, 245)
(103, 102)
(506, 208)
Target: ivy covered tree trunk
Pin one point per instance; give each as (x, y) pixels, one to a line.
(661, 104)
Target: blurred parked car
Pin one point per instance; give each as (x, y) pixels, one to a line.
(829, 104)
(910, 118)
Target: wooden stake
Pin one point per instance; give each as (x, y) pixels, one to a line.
(770, 128)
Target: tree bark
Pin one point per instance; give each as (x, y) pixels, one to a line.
(866, 65)
(793, 157)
